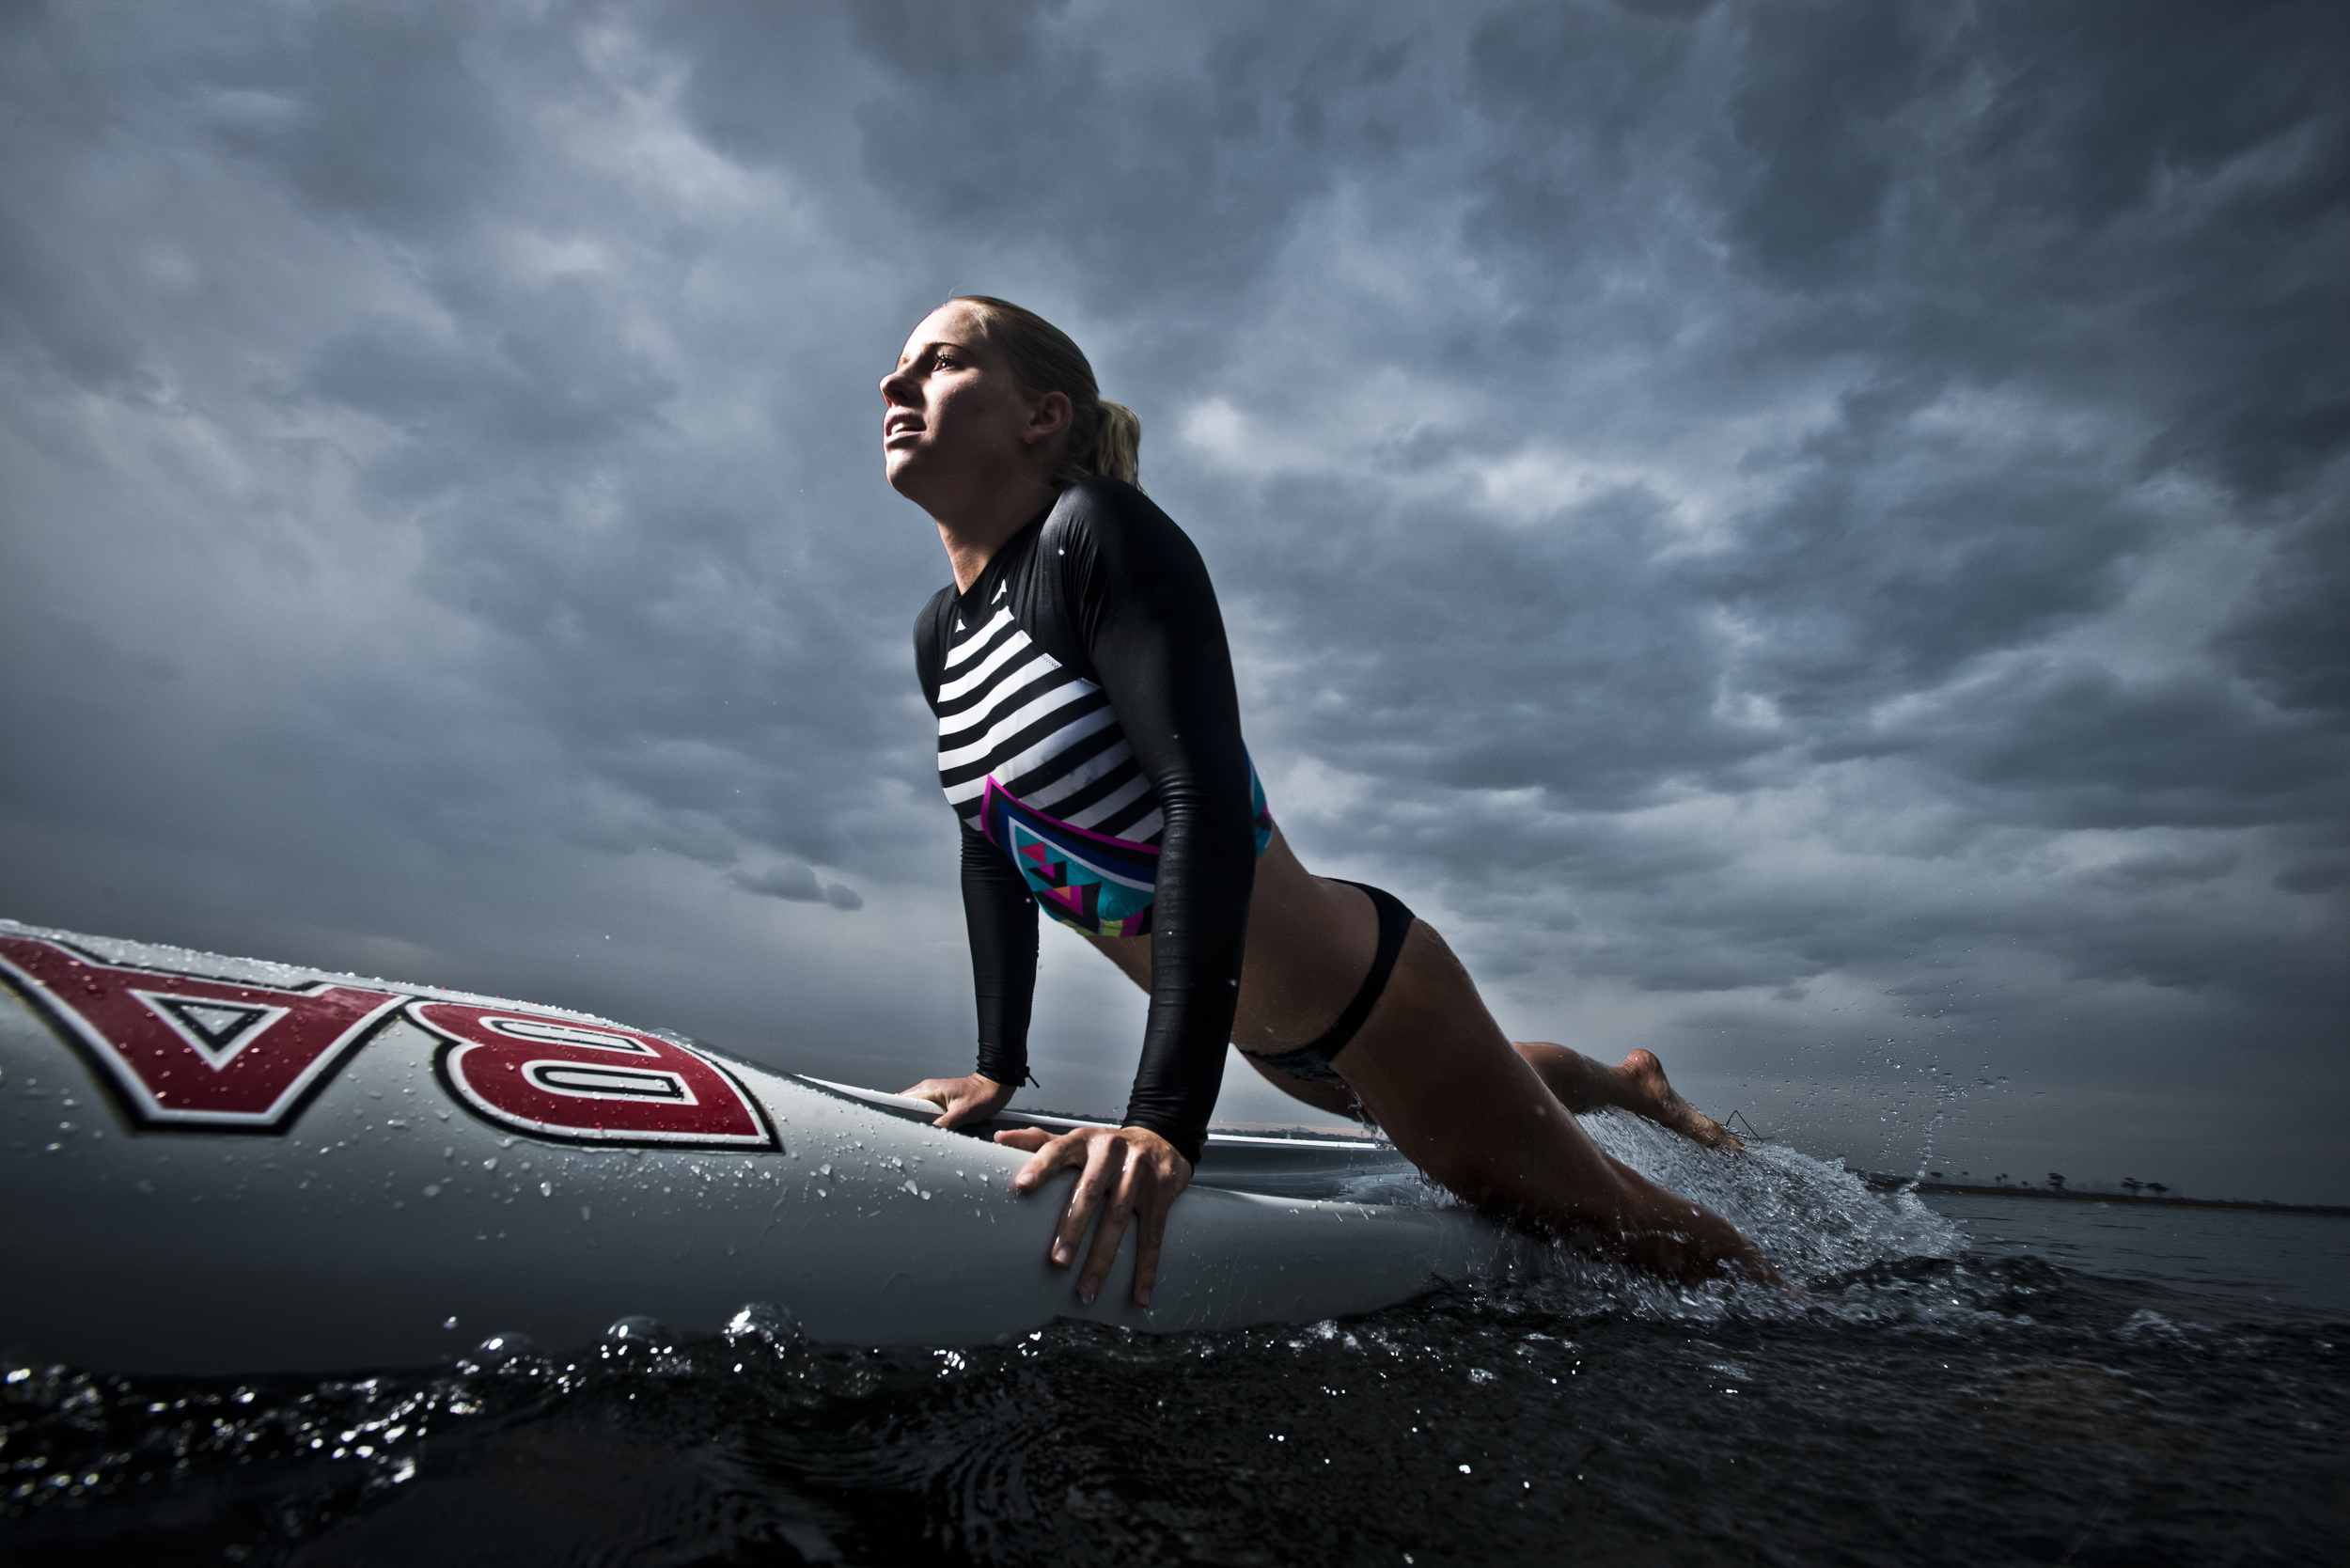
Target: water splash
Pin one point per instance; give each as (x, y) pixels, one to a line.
(1813, 1219)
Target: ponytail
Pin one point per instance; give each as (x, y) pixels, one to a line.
(1104, 438)
(1117, 444)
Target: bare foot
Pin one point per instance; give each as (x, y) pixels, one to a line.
(1651, 1096)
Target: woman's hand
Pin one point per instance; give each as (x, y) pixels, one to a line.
(963, 1100)
(1133, 1168)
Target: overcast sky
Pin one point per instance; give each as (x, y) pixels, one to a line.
(1809, 538)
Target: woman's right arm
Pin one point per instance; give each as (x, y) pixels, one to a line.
(1001, 917)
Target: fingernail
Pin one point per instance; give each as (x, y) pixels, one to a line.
(1142, 1299)
(1062, 1256)
(1088, 1290)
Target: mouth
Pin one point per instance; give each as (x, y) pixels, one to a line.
(898, 426)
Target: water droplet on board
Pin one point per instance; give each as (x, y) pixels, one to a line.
(763, 1319)
(500, 1348)
(637, 1330)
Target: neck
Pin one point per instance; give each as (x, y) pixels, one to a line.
(973, 532)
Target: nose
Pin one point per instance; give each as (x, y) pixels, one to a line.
(897, 387)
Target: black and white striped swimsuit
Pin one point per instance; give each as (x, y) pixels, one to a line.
(1013, 715)
(1032, 758)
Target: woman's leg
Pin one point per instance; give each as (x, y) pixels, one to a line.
(1476, 1116)
(1639, 1086)
(1581, 1085)
(1436, 1072)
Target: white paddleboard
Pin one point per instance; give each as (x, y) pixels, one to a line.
(222, 1165)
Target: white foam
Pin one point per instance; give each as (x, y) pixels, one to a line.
(1812, 1219)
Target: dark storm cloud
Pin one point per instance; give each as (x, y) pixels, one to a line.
(1796, 531)
(2007, 240)
(1167, 162)
(422, 622)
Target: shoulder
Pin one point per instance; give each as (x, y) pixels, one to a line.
(932, 619)
(930, 638)
(1101, 522)
(1102, 504)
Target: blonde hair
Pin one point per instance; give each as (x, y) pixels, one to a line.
(1104, 437)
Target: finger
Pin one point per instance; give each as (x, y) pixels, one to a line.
(979, 1102)
(1151, 1233)
(1027, 1138)
(939, 1093)
(1101, 1169)
(1112, 1231)
(1056, 1153)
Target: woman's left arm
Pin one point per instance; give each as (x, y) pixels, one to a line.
(1139, 602)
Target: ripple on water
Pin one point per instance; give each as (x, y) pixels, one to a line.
(1917, 1402)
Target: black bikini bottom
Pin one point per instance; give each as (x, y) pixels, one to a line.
(1313, 1061)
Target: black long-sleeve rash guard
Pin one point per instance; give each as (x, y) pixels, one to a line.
(1090, 737)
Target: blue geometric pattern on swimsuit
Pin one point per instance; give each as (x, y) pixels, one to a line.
(1092, 882)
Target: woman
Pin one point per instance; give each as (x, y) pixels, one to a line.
(1089, 739)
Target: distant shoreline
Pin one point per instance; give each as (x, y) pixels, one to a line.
(1879, 1182)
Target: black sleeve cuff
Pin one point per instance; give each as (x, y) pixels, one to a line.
(1188, 1142)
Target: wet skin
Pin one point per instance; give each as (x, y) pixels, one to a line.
(1489, 1121)
(1484, 1117)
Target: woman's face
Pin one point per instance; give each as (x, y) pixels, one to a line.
(953, 419)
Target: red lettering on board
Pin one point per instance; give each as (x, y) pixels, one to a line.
(183, 1051)
(589, 1083)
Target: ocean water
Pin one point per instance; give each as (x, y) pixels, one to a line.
(1977, 1381)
